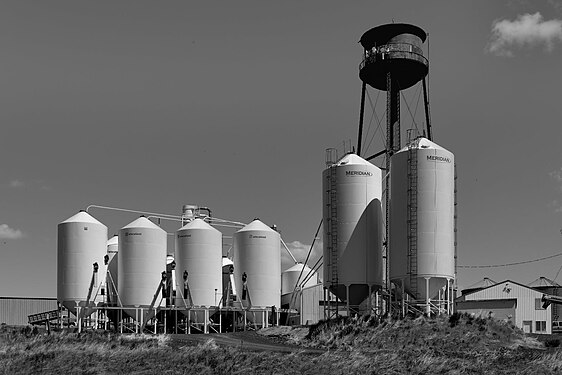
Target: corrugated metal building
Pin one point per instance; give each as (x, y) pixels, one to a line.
(509, 301)
(14, 310)
(311, 305)
(551, 287)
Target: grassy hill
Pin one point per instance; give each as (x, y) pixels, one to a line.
(456, 345)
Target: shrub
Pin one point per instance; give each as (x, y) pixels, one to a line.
(552, 343)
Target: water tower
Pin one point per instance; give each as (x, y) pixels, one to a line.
(393, 60)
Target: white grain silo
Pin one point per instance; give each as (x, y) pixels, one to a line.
(228, 282)
(112, 270)
(257, 253)
(290, 277)
(81, 242)
(353, 230)
(142, 258)
(199, 252)
(422, 243)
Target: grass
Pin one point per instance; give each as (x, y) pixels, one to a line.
(456, 345)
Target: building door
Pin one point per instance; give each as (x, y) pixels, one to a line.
(527, 324)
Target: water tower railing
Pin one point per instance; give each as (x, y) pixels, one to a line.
(394, 50)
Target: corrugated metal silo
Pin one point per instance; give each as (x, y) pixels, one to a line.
(81, 242)
(353, 231)
(142, 258)
(290, 277)
(199, 252)
(422, 243)
(257, 252)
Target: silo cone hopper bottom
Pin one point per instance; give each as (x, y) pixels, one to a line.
(85, 309)
(141, 314)
(357, 293)
(436, 284)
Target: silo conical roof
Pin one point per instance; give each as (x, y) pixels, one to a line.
(423, 143)
(256, 225)
(227, 262)
(352, 159)
(82, 217)
(142, 222)
(298, 267)
(198, 224)
(113, 240)
(543, 281)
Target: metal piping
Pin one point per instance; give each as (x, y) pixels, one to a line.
(132, 211)
(288, 251)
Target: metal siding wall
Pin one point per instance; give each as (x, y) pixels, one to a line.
(14, 311)
(311, 311)
(525, 302)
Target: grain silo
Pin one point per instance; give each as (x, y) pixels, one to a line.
(142, 259)
(257, 254)
(199, 253)
(81, 242)
(299, 273)
(422, 224)
(353, 229)
(112, 270)
(228, 282)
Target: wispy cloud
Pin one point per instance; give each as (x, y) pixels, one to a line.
(16, 184)
(26, 185)
(557, 177)
(527, 30)
(300, 251)
(7, 233)
(556, 205)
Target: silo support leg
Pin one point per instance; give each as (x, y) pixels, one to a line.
(427, 299)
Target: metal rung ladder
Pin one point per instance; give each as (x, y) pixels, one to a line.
(413, 218)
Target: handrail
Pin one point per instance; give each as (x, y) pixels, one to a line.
(380, 52)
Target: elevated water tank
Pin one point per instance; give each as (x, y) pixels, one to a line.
(353, 230)
(290, 277)
(422, 243)
(142, 258)
(112, 270)
(81, 242)
(257, 252)
(199, 252)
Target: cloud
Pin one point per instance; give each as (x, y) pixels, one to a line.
(556, 205)
(16, 184)
(527, 30)
(300, 251)
(8, 233)
(557, 176)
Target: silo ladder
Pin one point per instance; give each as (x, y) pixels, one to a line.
(413, 218)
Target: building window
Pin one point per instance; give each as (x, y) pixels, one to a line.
(538, 304)
(540, 326)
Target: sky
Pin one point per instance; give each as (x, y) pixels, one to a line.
(151, 105)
